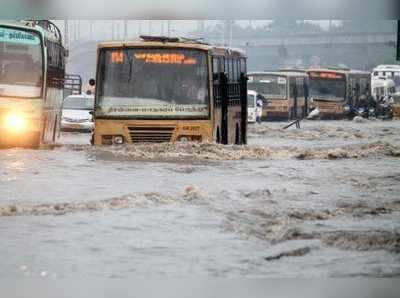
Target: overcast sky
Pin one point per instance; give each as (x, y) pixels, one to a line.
(102, 29)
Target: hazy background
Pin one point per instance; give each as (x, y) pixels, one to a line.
(269, 44)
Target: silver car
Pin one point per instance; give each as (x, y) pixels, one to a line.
(77, 113)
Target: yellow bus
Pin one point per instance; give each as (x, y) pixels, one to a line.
(160, 89)
(32, 63)
(333, 91)
(285, 93)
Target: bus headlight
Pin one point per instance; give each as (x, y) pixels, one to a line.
(15, 122)
(118, 140)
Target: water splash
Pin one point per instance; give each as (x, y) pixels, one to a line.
(185, 152)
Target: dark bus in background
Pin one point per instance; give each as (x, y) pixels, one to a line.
(285, 92)
(331, 90)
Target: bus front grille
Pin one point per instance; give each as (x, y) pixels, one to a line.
(141, 134)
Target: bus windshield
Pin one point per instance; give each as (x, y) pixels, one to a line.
(21, 66)
(143, 82)
(269, 86)
(328, 89)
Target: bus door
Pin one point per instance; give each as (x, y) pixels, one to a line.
(293, 95)
(243, 102)
(224, 108)
(295, 103)
(306, 97)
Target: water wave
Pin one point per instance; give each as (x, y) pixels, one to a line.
(191, 193)
(184, 152)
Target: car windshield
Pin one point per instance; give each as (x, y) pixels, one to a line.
(78, 103)
(269, 86)
(328, 89)
(251, 100)
(21, 66)
(153, 83)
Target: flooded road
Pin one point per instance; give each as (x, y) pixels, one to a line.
(319, 201)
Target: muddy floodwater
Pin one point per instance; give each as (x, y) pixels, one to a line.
(323, 200)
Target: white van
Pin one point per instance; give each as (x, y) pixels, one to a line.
(389, 72)
(251, 106)
(382, 88)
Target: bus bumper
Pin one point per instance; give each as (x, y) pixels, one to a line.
(276, 115)
(109, 132)
(15, 133)
(330, 115)
(27, 139)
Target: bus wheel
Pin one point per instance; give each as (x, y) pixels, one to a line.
(218, 136)
(237, 135)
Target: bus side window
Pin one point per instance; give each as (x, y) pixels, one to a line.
(243, 66)
(221, 64)
(363, 84)
(292, 87)
(231, 73)
(238, 69)
(234, 70)
(357, 88)
(300, 87)
(216, 70)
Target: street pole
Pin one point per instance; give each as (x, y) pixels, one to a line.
(66, 34)
(150, 27)
(79, 29)
(125, 29)
(398, 40)
(230, 33)
(112, 30)
(91, 29)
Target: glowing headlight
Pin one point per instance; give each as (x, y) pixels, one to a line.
(15, 121)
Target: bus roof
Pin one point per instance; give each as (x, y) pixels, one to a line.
(285, 73)
(339, 70)
(165, 42)
(33, 25)
(387, 67)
